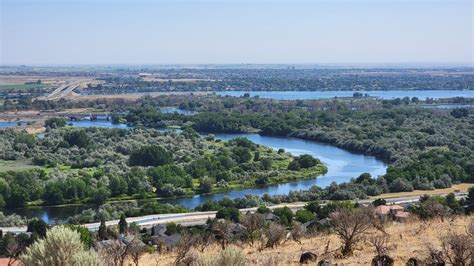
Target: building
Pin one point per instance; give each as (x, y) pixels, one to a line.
(392, 212)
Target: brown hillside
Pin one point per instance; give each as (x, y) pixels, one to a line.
(407, 240)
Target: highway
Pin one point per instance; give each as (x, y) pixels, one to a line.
(62, 91)
(199, 218)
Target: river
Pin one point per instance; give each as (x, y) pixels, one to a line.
(342, 165)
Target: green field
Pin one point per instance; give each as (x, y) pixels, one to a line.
(17, 165)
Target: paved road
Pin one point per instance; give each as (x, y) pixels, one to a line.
(62, 91)
(199, 218)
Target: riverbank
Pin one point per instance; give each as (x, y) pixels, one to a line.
(200, 218)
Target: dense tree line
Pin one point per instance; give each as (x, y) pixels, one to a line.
(92, 165)
(425, 148)
(286, 79)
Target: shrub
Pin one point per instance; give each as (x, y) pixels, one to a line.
(77, 138)
(264, 209)
(37, 227)
(458, 248)
(400, 185)
(350, 225)
(86, 236)
(294, 165)
(205, 185)
(379, 202)
(274, 235)
(229, 213)
(61, 246)
(55, 122)
(307, 161)
(304, 216)
(228, 257)
(285, 214)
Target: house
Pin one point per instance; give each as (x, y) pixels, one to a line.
(157, 230)
(401, 216)
(320, 225)
(271, 217)
(391, 212)
(166, 240)
(238, 228)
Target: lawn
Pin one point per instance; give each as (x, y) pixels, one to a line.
(17, 165)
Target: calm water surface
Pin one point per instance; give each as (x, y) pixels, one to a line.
(12, 124)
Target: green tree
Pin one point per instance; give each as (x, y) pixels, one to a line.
(100, 196)
(242, 154)
(122, 224)
(55, 122)
(379, 202)
(285, 214)
(26, 139)
(307, 161)
(102, 233)
(263, 209)
(77, 138)
(18, 196)
(53, 193)
(61, 246)
(205, 185)
(304, 216)
(266, 163)
(86, 235)
(150, 155)
(172, 228)
(256, 156)
(38, 228)
(313, 206)
(294, 165)
(117, 185)
(229, 213)
(400, 185)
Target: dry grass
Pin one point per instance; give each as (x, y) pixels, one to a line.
(48, 80)
(463, 187)
(128, 96)
(406, 240)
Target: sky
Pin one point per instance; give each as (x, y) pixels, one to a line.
(233, 32)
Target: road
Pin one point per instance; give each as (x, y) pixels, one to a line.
(199, 218)
(63, 91)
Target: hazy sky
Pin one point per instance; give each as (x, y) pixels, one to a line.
(253, 31)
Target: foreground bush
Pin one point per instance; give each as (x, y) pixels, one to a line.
(61, 246)
(228, 257)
